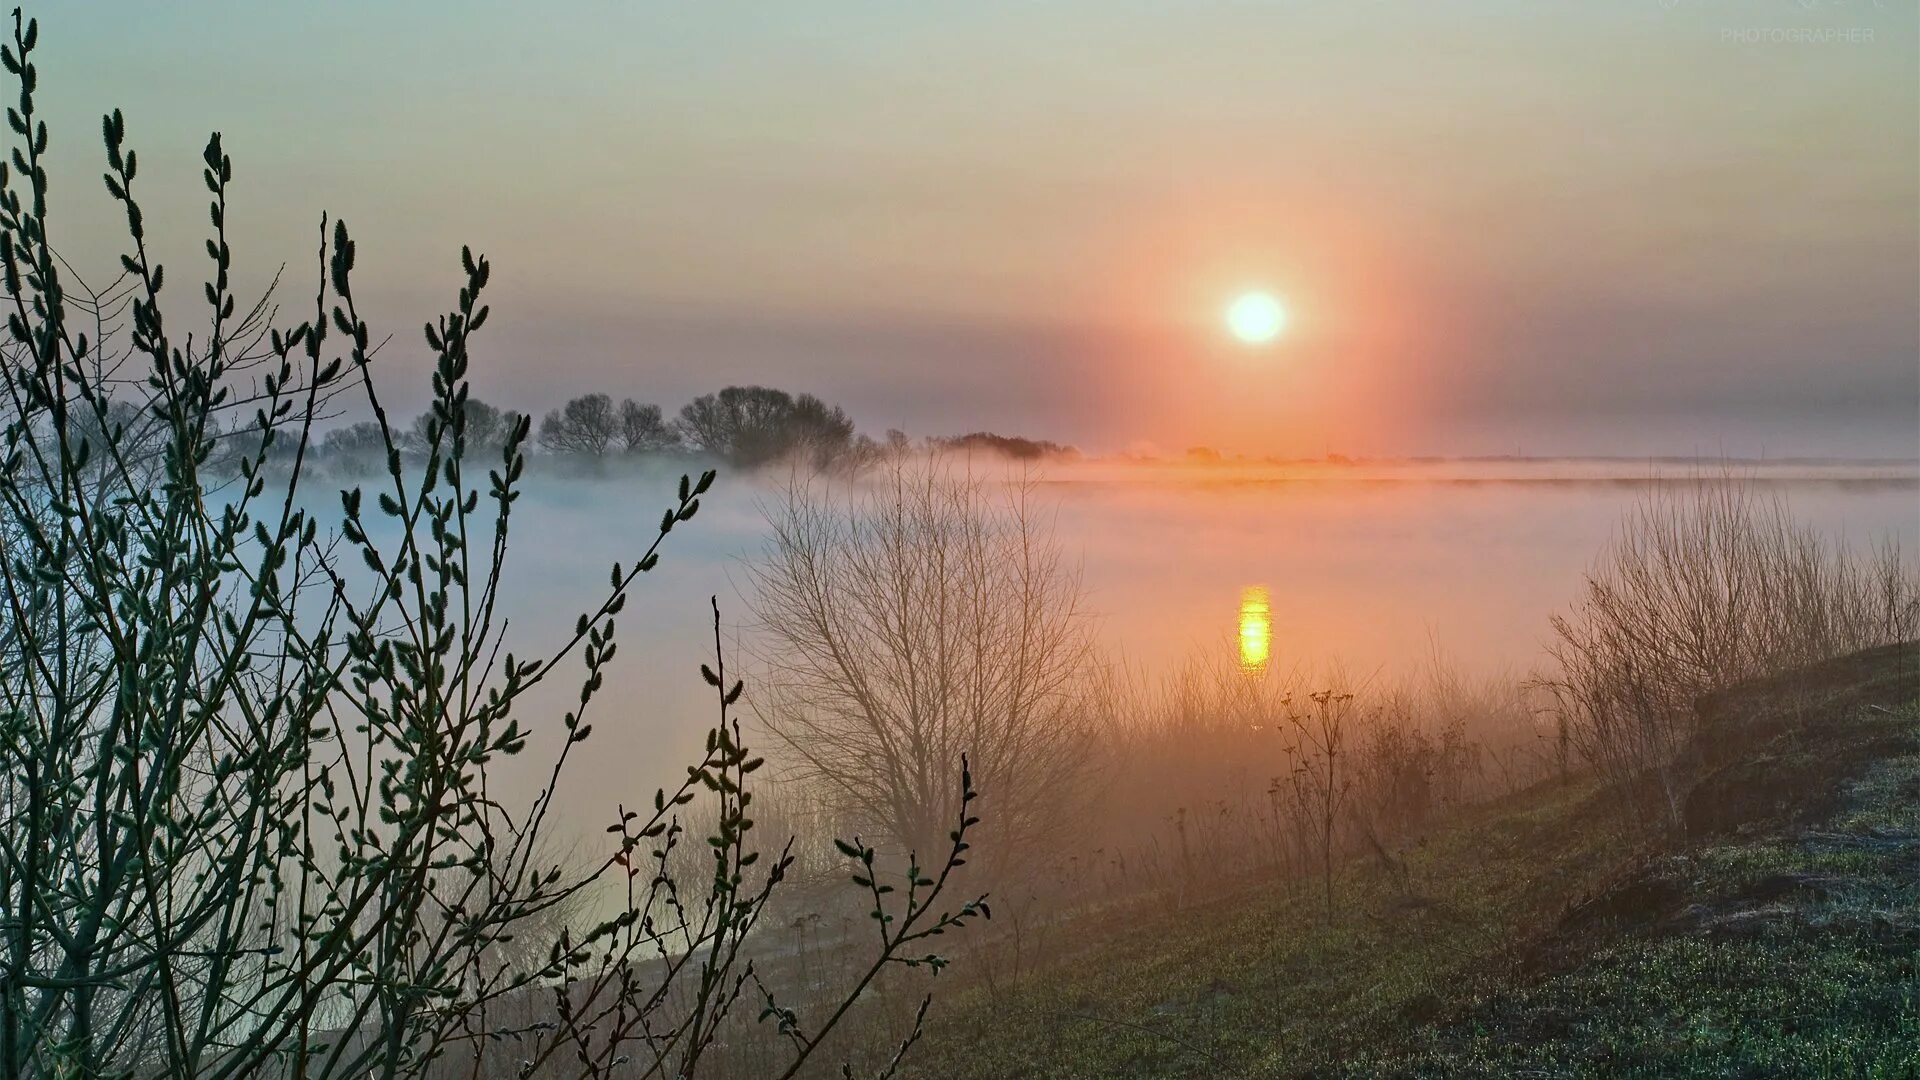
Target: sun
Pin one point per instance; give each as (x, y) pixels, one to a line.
(1256, 317)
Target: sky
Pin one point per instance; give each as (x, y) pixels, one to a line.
(1635, 227)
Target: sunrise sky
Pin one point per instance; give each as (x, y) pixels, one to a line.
(1633, 227)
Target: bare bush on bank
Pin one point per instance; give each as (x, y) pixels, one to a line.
(911, 614)
(1703, 586)
(1218, 774)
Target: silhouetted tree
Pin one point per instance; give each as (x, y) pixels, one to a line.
(1012, 446)
(356, 449)
(585, 426)
(752, 425)
(714, 422)
(824, 430)
(487, 428)
(644, 430)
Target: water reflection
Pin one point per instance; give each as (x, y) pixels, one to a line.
(1376, 576)
(1256, 629)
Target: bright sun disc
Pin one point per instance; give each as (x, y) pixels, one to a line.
(1256, 317)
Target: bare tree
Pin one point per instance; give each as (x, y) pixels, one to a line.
(486, 430)
(356, 449)
(917, 616)
(718, 423)
(644, 430)
(586, 426)
(753, 425)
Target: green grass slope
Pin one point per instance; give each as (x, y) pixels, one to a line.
(1545, 936)
(1783, 940)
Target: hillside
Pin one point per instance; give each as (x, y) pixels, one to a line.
(1549, 935)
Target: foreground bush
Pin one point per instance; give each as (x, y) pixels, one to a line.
(247, 823)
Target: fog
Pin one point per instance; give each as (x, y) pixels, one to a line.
(1371, 568)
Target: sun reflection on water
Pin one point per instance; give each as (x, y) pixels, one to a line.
(1256, 629)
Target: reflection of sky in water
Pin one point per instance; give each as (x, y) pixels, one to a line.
(1373, 574)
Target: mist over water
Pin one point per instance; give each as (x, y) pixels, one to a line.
(1369, 569)
(1373, 573)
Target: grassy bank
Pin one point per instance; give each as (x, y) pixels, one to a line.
(1548, 934)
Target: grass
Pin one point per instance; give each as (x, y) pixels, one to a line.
(1256, 983)
(1791, 953)
(1543, 935)
(1784, 1001)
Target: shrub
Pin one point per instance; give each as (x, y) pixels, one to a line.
(246, 818)
(1703, 587)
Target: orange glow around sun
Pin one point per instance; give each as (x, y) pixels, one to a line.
(1259, 323)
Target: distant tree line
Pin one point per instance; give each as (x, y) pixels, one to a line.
(1011, 446)
(745, 426)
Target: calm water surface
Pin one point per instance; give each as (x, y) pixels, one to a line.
(1371, 569)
